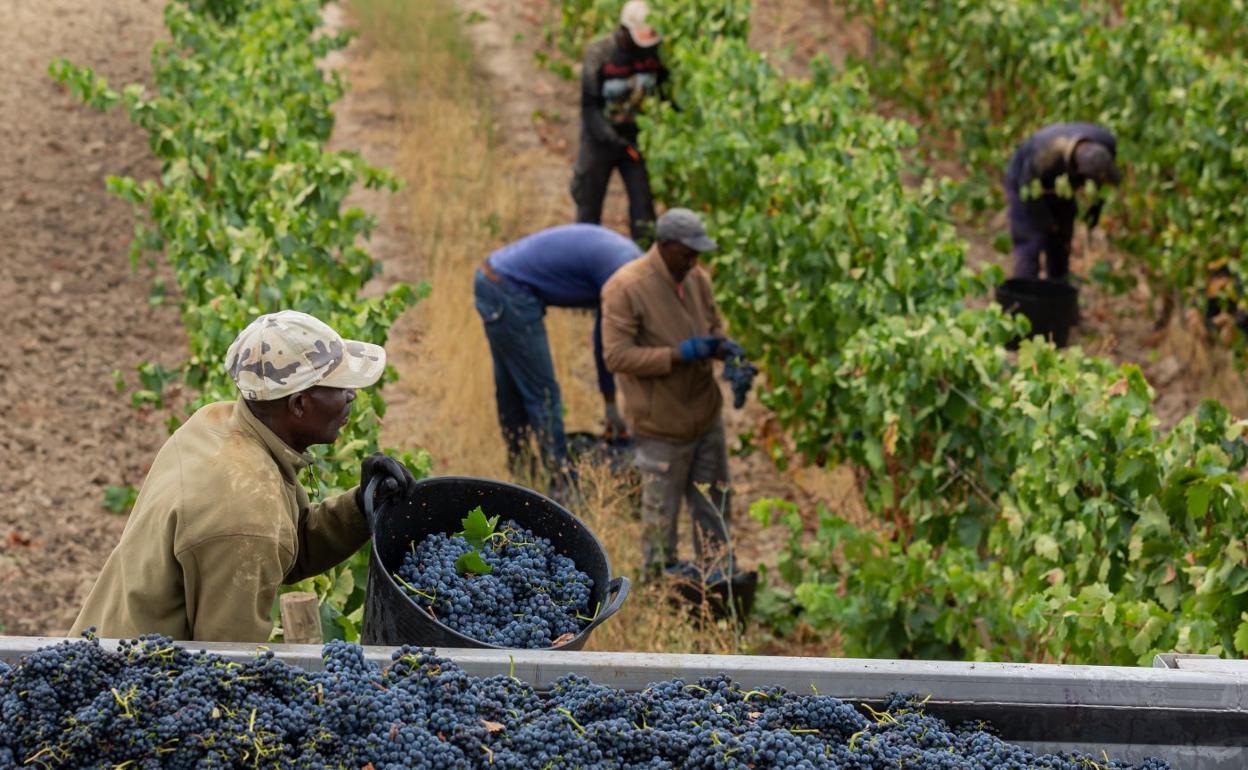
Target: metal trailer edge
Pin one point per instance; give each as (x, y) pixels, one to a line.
(1189, 710)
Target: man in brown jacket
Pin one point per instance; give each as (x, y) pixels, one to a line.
(221, 519)
(660, 331)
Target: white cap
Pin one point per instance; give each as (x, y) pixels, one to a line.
(633, 18)
(287, 352)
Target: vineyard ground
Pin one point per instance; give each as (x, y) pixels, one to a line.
(73, 310)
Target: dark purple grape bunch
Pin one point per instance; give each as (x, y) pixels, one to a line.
(738, 371)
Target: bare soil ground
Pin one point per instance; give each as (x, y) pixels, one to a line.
(73, 311)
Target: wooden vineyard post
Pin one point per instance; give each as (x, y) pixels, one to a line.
(301, 618)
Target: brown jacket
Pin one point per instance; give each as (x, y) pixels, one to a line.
(644, 315)
(220, 522)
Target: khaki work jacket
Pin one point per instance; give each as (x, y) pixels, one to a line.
(645, 314)
(220, 522)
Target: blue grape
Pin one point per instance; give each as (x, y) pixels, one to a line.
(154, 705)
(532, 597)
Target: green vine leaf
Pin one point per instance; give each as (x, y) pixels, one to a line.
(477, 528)
(471, 563)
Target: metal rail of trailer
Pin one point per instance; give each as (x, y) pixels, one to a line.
(1189, 710)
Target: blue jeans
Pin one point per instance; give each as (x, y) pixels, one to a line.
(524, 375)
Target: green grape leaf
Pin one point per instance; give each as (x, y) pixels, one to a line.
(1241, 636)
(477, 528)
(471, 563)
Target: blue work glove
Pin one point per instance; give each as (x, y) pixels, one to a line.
(699, 348)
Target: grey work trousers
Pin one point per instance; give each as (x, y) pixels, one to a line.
(695, 470)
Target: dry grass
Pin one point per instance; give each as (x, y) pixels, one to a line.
(1208, 359)
(467, 196)
(652, 620)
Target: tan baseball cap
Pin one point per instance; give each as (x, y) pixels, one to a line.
(283, 353)
(633, 18)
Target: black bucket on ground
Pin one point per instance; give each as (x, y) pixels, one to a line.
(438, 505)
(698, 592)
(1052, 307)
(614, 453)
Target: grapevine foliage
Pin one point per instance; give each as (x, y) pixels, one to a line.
(248, 210)
(1168, 77)
(152, 704)
(1029, 507)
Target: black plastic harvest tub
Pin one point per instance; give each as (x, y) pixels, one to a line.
(438, 505)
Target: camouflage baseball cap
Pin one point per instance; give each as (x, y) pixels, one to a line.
(283, 353)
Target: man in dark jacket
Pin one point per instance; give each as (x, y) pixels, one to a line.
(618, 72)
(1040, 185)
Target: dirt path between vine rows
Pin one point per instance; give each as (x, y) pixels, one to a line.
(73, 312)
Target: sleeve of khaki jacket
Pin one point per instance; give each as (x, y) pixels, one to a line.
(329, 532)
(621, 323)
(230, 582)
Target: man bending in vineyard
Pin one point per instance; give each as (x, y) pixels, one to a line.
(564, 266)
(661, 329)
(222, 519)
(618, 73)
(1040, 185)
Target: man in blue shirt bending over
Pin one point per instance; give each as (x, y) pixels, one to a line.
(564, 266)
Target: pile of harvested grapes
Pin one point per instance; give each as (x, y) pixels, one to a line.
(499, 584)
(153, 704)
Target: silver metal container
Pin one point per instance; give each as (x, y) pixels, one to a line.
(1189, 710)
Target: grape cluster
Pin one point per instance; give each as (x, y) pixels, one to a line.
(153, 704)
(531, 598)
(738, 372)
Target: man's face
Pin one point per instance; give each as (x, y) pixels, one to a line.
(320, 413)
(678, 257)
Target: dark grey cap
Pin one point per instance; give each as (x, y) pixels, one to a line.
(684, 226)
(1095, 161)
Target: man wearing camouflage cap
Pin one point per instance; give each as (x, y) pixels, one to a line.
(221, 519)
(661, 329)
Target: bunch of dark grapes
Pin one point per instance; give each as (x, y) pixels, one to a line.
(532, 597)
(153, 705)
(738, 372)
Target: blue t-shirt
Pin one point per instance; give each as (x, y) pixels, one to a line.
(567, 266)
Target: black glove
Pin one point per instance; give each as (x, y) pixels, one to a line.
(614, 421)
(1093, 214)
(396, 479)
